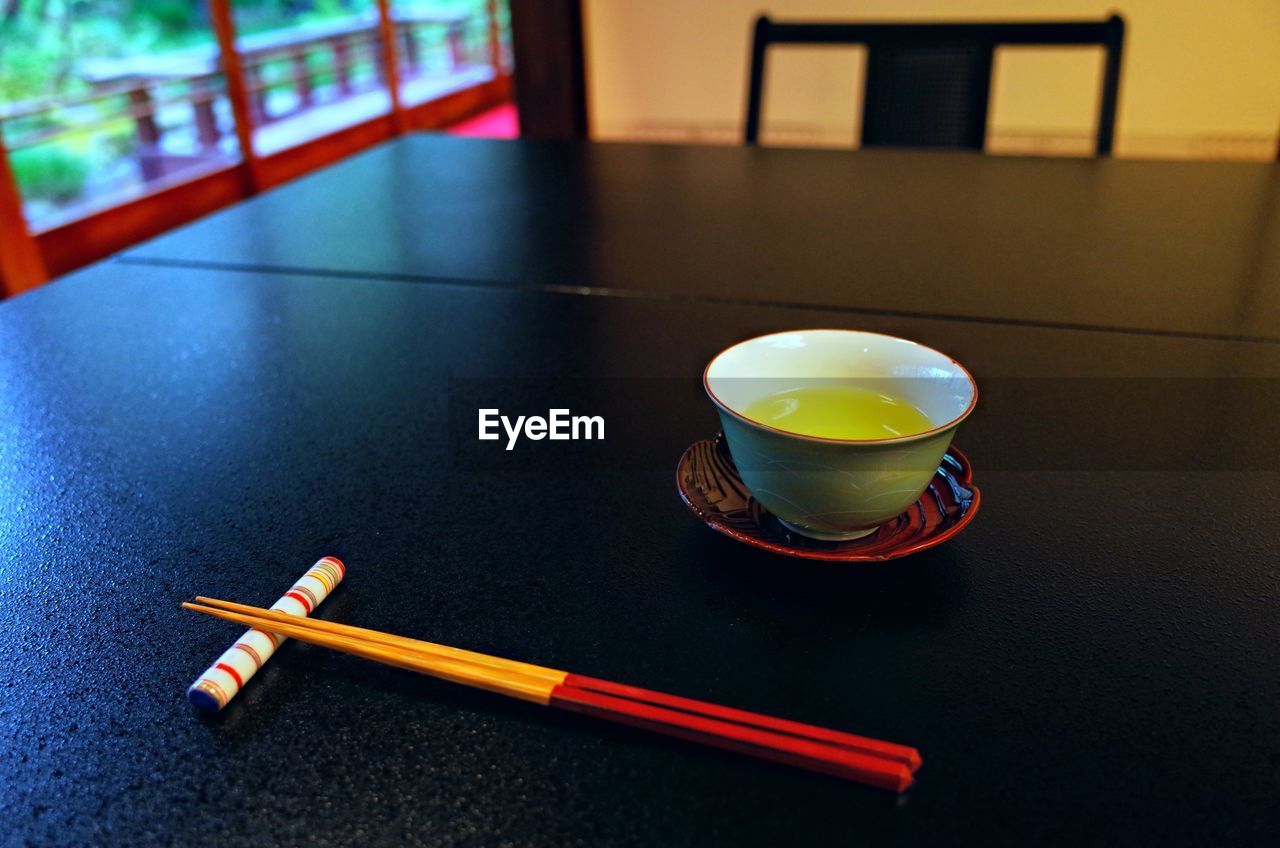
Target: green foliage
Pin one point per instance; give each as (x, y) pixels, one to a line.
(28, 61)
(50, 172)
(172, 17)
(51, 37)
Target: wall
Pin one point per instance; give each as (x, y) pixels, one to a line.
(1201, 79)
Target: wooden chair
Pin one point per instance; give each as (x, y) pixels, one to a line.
(929, 84)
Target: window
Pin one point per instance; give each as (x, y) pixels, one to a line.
(101, 102)
(122, 118)
(310, 68)
(446, 46)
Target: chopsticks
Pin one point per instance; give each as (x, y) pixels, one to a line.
(882, 764)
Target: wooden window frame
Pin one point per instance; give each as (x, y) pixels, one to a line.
(21, 265)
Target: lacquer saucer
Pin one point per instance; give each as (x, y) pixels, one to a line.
(710, 486)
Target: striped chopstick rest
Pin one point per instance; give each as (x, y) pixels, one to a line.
(220, 682)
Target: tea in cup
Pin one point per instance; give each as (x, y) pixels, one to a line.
(837, 431)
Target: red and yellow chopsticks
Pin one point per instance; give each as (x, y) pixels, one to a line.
(844, 755)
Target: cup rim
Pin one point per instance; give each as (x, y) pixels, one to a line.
(706, 386)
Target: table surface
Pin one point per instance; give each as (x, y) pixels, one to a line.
(1092, 661)
(1188, 248)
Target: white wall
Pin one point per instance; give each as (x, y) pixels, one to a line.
(1201, 78)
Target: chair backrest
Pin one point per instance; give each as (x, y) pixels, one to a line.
(929, 85)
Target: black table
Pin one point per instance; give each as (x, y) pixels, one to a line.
(1186, 248)
(1092, 661)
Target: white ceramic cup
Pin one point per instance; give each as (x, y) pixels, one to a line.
(837, 489)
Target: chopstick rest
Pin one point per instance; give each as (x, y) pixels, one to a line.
(220, 682)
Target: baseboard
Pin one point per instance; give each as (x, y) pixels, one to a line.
(1012, 142)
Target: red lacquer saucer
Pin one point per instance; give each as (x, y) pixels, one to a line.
(710, 486)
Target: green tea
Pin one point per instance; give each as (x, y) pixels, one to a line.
(839, 412)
